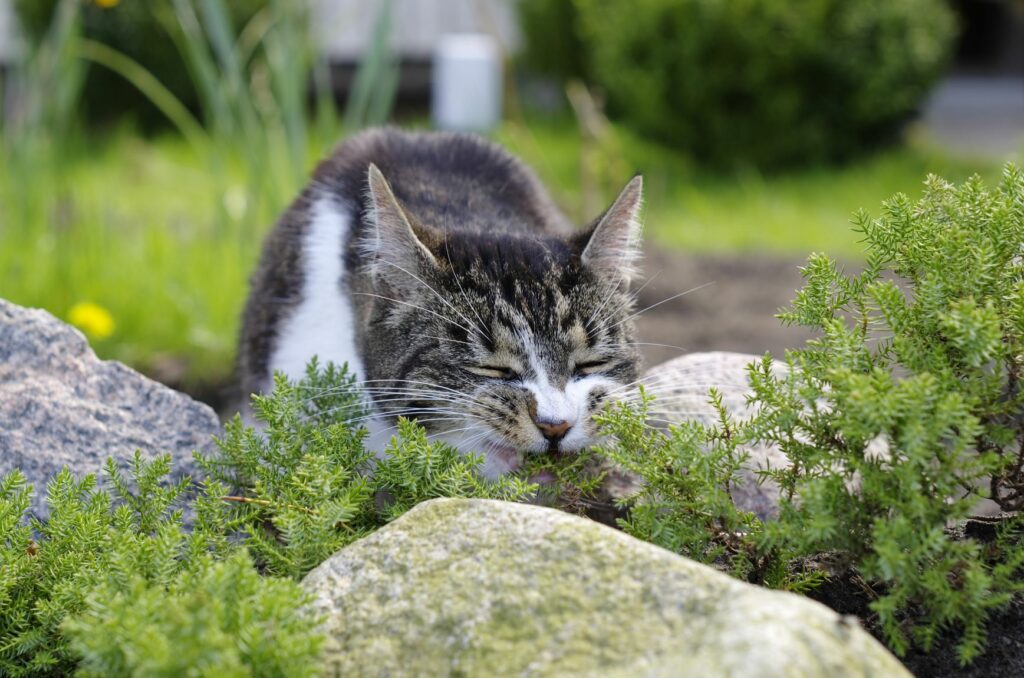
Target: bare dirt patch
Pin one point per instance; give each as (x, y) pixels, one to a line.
(729, 304)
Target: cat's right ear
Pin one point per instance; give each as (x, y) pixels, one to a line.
(611, 247)
(398, 244)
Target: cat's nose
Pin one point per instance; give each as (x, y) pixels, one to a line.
(552, 430)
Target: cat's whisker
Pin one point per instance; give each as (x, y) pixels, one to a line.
(405, 413)
(454, 341)
(441, 396)
(399, 412)
(437, 294)
(421, 393)
(412, 305)
(647, 343)
(663, 301)
(378, 396)
(462, 290)
(596, 319)
(408, 381)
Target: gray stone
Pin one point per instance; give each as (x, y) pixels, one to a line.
(62, 406)
(681, 386)
(487, 588)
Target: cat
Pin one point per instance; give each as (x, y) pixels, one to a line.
(436, 266)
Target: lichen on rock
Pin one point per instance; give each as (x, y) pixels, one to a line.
(479, 587)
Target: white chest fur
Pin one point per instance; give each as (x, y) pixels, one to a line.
(323, 324)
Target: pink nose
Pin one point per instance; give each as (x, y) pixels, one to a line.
(552, 430)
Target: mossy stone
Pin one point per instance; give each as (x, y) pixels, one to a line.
(485, 588)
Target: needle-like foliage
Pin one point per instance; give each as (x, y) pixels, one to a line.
(898, 421)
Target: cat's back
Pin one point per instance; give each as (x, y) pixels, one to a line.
(298, 305)
(448, 180)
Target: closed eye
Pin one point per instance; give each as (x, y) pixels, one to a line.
(494, 372)
(591, 367)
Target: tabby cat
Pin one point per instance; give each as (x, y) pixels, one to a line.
(438, 268)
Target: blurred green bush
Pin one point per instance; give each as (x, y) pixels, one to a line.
(552, 42)
(750, 81)
(148, 33)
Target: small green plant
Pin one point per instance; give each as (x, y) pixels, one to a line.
(118, 582)
(903, 414)
(908, 410)
(688, 471)
(305, 486)
(113, 584)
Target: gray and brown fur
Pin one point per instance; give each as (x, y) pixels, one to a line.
(456, 260)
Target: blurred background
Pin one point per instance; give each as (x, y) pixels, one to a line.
(147, 146)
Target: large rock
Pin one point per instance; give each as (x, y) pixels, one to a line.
(62, 406)
(487, 588)
(681, 386)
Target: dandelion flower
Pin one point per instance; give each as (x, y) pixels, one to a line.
(107, 4)
(93, 319)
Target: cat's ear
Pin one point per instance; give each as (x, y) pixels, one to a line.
(612, 246)
(398, 245)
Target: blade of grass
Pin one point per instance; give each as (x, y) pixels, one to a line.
(376, 80)
(148, 85)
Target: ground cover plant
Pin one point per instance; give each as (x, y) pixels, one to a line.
(897, 421)
(146, 577)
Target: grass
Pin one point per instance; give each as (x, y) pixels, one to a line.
(152, 232)
(744, 212)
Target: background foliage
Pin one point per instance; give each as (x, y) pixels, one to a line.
(146, 32)
(762, 82)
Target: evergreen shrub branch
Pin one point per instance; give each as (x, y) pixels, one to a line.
(115, 583)
(902, 414)
(309, 486)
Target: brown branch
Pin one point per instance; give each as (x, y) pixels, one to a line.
(264, 502)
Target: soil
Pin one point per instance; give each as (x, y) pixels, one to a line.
(728, 303)
(1004, 651)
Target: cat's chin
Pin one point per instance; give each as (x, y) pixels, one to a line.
(501, 459)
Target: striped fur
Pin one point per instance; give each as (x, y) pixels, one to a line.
(437, 266)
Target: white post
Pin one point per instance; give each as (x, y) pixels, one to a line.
(467, 83)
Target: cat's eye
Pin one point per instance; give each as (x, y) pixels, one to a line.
(494, 372)
(590, 367)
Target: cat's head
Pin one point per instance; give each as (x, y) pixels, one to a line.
(501, 343)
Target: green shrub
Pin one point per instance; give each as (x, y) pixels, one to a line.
(147, 32)
(222, 616)
(760, 81)
(308, 487)
(902, 415)
(112, 584)
(552, 40)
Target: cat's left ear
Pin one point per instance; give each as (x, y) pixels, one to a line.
(612, 246)
(399, 244)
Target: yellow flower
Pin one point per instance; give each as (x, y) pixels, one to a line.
(107, 4)
(93, 319)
